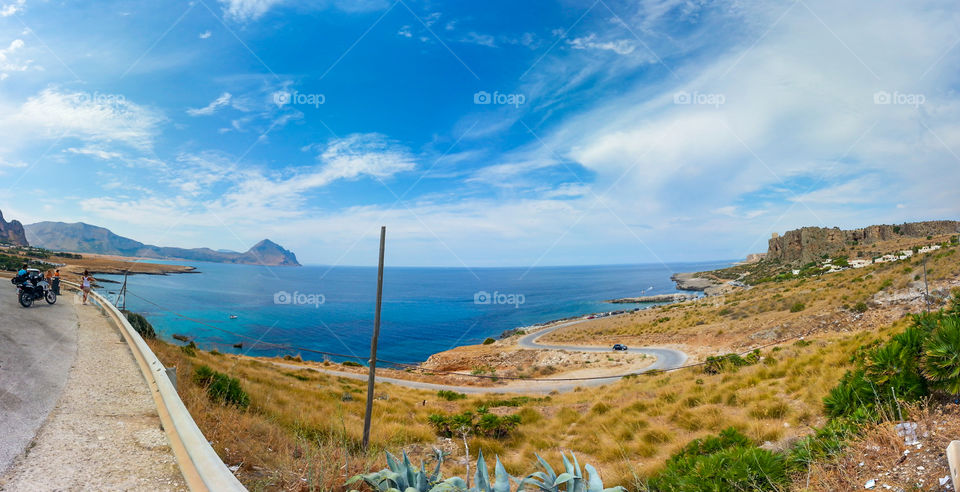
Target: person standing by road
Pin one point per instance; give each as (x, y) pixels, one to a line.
(86, 282)
(56, 282)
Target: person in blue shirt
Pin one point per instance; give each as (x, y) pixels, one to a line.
(23, 271)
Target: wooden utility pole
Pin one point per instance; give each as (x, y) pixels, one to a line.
(373, 343)
(926, 288)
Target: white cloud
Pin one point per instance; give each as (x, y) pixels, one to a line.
(95, 152)
(96, 117)
(405, 32)
(211, 108)
(12, 8)
(479, 39)
(620, 46)
(248, 10)
(205, 35)
(8, 64)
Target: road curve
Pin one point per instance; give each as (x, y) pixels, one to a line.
(665, 359)
(37, 347)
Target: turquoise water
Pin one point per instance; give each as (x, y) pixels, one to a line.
(425, 310)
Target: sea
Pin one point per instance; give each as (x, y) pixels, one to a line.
(327, 313)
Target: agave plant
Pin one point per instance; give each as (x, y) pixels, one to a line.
(942, 355)
(571, 480)
(501, 479)
(403, 476)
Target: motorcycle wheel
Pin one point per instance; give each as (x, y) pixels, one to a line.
(51, 297)
(26, 300)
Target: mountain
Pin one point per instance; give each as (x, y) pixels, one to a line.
(12, 232)
(811, 243)
(85, 238)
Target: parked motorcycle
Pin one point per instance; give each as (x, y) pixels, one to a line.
(32, 287)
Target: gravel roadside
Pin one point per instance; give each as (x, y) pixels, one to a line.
(104, 433)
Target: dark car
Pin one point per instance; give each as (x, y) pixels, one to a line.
(619, 346)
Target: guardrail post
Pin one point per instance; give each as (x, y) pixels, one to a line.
(953, 458)
(172, 374)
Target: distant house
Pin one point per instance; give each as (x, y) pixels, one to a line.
(795, 272)
(860, 263)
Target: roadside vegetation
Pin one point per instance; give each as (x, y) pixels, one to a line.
(793, 406)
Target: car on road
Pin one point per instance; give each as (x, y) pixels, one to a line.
(620, 346)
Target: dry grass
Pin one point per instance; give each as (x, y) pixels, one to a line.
(300, 433)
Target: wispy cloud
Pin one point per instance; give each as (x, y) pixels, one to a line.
(211, 108)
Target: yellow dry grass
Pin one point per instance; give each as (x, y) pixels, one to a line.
(302, 432)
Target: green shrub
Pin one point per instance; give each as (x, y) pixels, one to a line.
(451, 395)
(860, 307)
(481, 423)
(221, 388)
(728, 461)
(350, 363)
(488, 341)
(141, 325)
(942, 351)
(797, 307)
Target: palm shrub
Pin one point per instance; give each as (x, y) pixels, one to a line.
(941, 362)
(728, 461)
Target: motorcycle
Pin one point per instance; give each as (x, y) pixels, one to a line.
(32, 287)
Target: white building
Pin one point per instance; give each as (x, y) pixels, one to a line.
(860, 263)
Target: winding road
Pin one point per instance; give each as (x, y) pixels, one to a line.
(37, 347)
(665, 359)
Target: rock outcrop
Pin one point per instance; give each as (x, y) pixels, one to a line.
(12, 232)
(811, 243)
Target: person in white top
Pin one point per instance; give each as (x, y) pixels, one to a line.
(85, 283)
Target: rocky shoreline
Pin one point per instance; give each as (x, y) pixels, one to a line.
(655, 298)
(691, 282)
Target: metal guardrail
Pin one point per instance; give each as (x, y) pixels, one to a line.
(202, 469)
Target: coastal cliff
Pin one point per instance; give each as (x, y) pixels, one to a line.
(811, 243)
(12, 232)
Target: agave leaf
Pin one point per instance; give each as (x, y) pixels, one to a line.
(578, 485)
(482, 477)
(567, 465)
(392, 463)
(450, 484)
(422, 482)
(563, 478)
(436, 471)
(354, 479)
(501, 478)
(546, 466)
(412, 489)
(595, 484)
(409, 472)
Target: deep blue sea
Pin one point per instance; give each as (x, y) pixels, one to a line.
(425, 310)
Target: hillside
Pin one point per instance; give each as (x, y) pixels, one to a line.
(12, 232)
(85, 238)
(811, 243)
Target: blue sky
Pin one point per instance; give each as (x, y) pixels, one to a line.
(501, 133)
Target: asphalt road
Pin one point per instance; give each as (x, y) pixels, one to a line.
(665, 359)
(37, 348)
